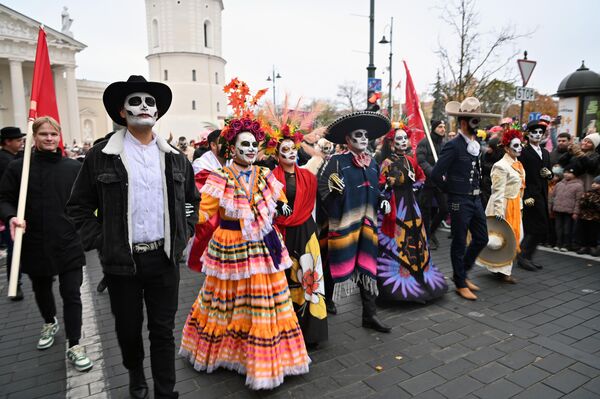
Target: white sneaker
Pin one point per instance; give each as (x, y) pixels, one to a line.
(78, 358)
(49, 330)
(563, 249)
(556, 249)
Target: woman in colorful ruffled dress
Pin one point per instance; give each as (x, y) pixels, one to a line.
(305, 277)
(243, 318)
(405, 271)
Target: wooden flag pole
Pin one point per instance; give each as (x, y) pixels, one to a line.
(428, 134)
(18, 240)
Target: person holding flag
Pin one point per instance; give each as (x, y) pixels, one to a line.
(51, 246)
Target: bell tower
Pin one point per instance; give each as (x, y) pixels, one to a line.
(184, 52)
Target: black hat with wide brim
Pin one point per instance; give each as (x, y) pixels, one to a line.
(502, 245)
(11, 132)
(115, 94)
(536, 124)
(375, 124)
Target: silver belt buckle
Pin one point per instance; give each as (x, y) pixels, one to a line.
(476, 192)
(141, 248)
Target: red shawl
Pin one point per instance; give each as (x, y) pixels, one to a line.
(306, 193)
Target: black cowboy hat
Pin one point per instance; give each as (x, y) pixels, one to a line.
(375, 124)
(115, 93)
(535, 124)
(10, 132)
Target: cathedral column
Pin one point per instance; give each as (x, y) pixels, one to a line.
(73, 105)
(18, 94)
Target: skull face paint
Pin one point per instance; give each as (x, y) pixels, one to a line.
(287, 153)
(358, 141)
(326, 147)
(515, 147)
(246, 149)
(536, 135)
(140, 109)
(400, 141)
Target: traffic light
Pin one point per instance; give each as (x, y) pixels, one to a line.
(373, 101)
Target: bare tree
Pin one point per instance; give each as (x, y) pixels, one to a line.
(350, 96)
(474, 60)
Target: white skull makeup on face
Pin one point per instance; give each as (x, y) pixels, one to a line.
(140, 109)
(400, 140)
(358, 141)
(515, 147)
(536, 135)
(287, 153)
(246, 149)
(326, 147)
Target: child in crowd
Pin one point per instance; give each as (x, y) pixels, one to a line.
(557, 170)
(589, 219)
(564, 202)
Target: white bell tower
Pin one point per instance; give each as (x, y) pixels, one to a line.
(184, 52)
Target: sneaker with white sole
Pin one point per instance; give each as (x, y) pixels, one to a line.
(49, 330)
(563, 249)
(78, 358)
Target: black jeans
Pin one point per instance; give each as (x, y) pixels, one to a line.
(69, 284)
(467, 215)
(156, 284)
(9, 252)
(563, 223)
(427, 196)
(589, 232)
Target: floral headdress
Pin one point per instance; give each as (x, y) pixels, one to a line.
(402, 124)
(509, 135)
(292, 124)
(244, 119)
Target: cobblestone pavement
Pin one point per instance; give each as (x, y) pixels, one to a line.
(537, 339)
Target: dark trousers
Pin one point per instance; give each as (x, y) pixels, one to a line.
(589, 232)
(428, 194)
(467, 215)
(69, 284)
(157, 285)
(9, 252)
(367, 298)
(563, 224)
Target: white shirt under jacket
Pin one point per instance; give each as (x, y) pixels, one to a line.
(146, 189)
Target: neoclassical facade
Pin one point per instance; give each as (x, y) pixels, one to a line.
(79, 102)
(184, 52)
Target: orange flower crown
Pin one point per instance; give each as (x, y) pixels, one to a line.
(402, 123)
(244, 119)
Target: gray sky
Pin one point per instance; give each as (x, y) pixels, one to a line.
(316, 45)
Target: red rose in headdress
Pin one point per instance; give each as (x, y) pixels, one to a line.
(509, 135)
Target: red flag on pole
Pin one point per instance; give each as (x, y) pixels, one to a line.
(415, 122)
(43, 96)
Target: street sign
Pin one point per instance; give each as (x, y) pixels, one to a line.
(535, 116)
(374, 84)
(526, 67)
(525, 94)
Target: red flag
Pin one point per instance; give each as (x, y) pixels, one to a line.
(412, 111)
(43, 96)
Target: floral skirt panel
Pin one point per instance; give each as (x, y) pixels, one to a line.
(305, 279)
(405, 271)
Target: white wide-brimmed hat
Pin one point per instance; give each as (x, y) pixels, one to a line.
(469, 107)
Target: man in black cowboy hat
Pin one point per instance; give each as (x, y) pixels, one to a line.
(11, 140)
(536, 162)
(349, 189)
(147, 202)
(458, 173)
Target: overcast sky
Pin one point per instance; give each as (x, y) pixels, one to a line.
(316, 45)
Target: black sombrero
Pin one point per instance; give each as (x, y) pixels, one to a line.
(375, 124)
(115, 93)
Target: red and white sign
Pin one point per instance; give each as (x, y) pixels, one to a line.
(526, 67)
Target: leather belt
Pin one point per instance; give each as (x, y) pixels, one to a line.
(142, 247)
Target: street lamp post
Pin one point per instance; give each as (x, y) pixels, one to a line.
(371, 68)
(272, 78)
(384, 41)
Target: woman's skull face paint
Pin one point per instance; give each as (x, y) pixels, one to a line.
(246, 149)
(536, 135)
(287, 152)
(358, 140)
(400, 140)
(140, 109)
(326, 146)
(516, 147)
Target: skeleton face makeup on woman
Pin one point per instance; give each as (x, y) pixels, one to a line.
(536, 135)
(246, 149)
(287, 153)
(326, 147)
(140, 110)
(358, 141)
(515, 147)
(400, 141)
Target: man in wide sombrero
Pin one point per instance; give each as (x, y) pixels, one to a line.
(349, 189)
(458, 173)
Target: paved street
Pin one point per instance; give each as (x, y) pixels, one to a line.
(537, 339)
